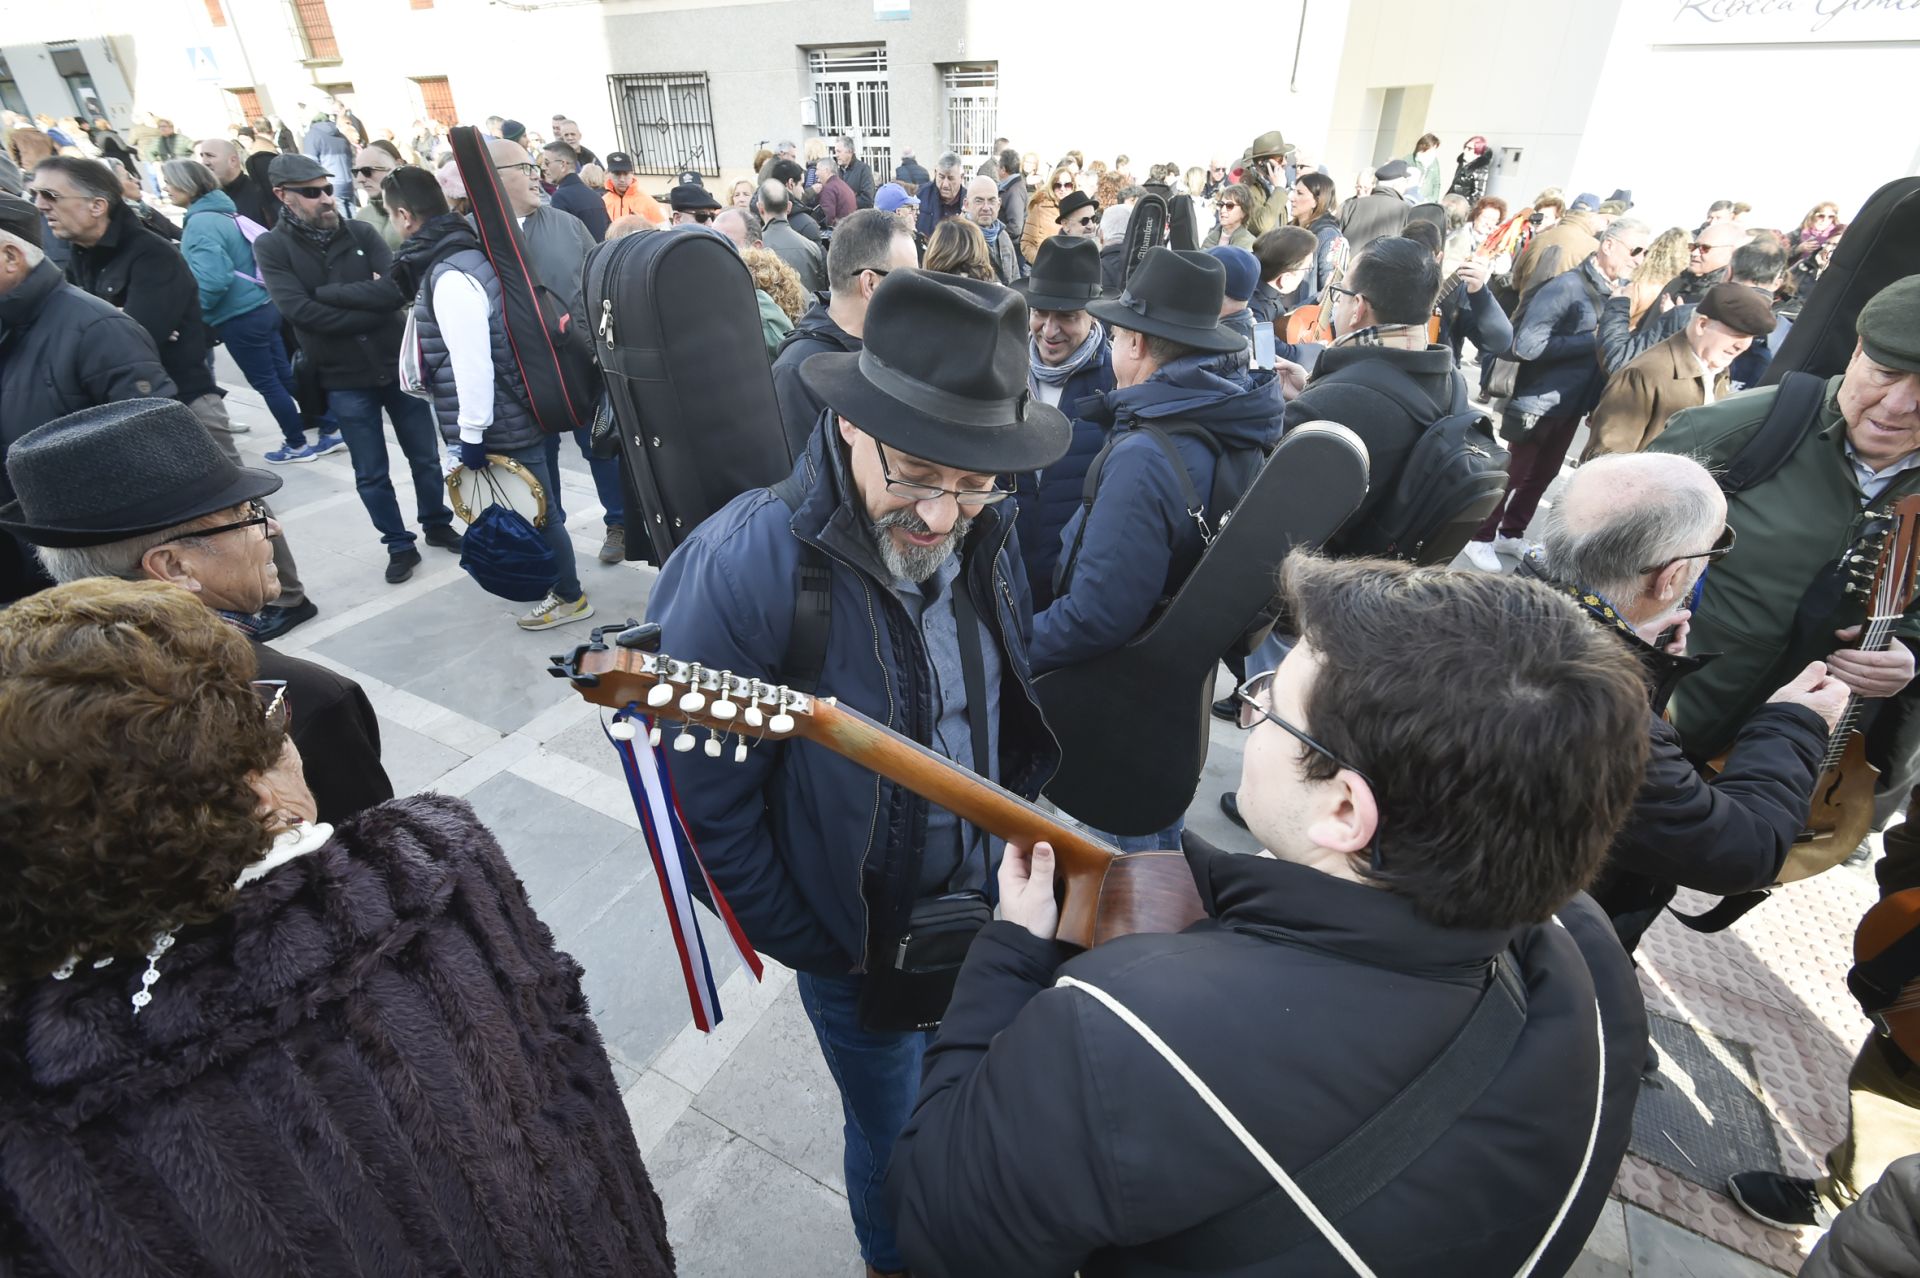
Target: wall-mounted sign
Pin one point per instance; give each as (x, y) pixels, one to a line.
(1781, 21)
(892, 10)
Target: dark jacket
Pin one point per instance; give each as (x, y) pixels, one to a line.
(1879, 1235)
(337, 732)
(813, 333)
(1139, 542)
(1356, 994)
(156, 221)
(375, 1057)
(1470, 179)
(836, 199)
(1476, 318)
(252, 200)
(1113, 267)
(859, 176)
(1555, 340)
(910, 173)
(1687, 288)
(1326, 229)
(576, 197)
(146, 277)
(328, 145)
(933, 212)
(1013, 205)
(1370, 217)
(818, 856)
(1049, 498)
(349, 324)
(446, 243)
(1336, 393)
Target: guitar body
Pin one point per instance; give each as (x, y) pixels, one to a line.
(1842, 814)
(1140, 892)
(1301, 322)
(1887, 924)
(1132, 723)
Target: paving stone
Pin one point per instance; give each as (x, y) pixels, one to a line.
(584, 742)
(551, 842)
(776, 1089)
(654, 1104)
(413, 760)
(1607, 1244)
(1662, 1249)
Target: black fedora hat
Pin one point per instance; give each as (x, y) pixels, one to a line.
(943, 376)
(119, 470)
(1066, 274)
(1075, 201)
(1175, 294)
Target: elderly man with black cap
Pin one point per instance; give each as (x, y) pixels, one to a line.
(1382, 212)
(692, 204)
(138, 490)
(917, 616)
(1685, 371)
(1069, 363)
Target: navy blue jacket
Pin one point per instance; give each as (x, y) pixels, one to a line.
(581, 200)
(1140, 543)
(817, 855)
(933, 212)
(1048, 498)
(1556, 339)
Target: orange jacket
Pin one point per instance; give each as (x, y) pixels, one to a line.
(634, 201)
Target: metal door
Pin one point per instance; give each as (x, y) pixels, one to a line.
(850, 96)
(972, 110)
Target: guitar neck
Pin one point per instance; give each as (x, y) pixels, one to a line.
(1877, 637)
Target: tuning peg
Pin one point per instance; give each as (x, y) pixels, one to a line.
(723, 707)
(712, 747)
(693, 702)
(622, 730)
(740, 751)
(659, 695)
(683, 741)
(752, 713)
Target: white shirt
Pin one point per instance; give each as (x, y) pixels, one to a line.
(1049, 394)
(1874, 482)
(460, 307)
(1707, 378)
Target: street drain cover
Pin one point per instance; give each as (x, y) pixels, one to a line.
(1701, 1116)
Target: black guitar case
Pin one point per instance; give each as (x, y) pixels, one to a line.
(1882, 244)
(677, 329)
(1146, 229)
(1133, 724)
(555, 363)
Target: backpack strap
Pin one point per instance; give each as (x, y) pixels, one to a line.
(1394, 384)
(1795, 410)
(806, 654)
(1196, 507)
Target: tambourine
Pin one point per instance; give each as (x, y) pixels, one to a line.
(505, 482)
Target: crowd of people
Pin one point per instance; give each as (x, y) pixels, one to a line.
(315, 1027)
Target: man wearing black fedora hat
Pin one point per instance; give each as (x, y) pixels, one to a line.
(1132, 545)
(1068, 362)
(1080, 218)
(138, 489)
(884, 573)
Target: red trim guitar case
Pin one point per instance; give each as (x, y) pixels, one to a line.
(677, 330)
(555, 363)
(1881, 245)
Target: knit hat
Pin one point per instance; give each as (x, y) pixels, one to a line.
(1243, 270)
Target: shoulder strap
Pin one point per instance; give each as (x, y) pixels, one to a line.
(973, 670)
(1795, 408)
(1196, 508)
(806, 654)
(1395, 384)
(1368, 1159)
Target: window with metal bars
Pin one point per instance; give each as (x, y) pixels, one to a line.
(245, 103)
(971, 117)
(436, 99)
(315, 26)
(852, 97)
(664, 119)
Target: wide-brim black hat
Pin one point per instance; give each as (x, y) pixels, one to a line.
(1175, 294)
(1066, 275)
(121, 470)
(943, 377)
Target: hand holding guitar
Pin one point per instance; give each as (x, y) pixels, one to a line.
(1026, 889)
(1818, 690)
(1473, 273)
(1871, 674)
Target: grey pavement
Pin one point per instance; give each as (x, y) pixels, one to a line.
(741, 1128)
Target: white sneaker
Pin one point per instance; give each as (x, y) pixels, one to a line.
(1518, 547)
(555, 611)
(1482, 556)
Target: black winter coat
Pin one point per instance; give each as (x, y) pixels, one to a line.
(252, 199)
(1049, 1137)
(859, 176)
(324, 293)
(375, 1063)
(337, 732)
(576, 197)
(146, 277)
(800, 408)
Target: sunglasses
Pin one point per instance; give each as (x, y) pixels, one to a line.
(257, 517)
(38, 193)
(1255, 698)
(1063, 186)
(704, 215)
(369, 171)
(275, 704)
(311, 192)
(1698, 248)
(1722, 547)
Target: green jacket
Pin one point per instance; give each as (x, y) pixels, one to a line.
(374, 213)
(1790, 528)
(774, 324)
(1269, 207)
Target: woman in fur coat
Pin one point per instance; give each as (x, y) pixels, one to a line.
(236, 1043)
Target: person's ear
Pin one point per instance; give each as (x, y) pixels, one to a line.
(849, 433)
(1666, 583)
(1345, 816)
(168, 564)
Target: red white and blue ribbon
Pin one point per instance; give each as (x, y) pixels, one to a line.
(671, 846)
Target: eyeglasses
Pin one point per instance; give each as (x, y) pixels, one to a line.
(529, 168)
(1344, 291)
(1063, 186)
(965, 498)
(1639, 252)
(369, 171)
(704, 215)
(1722, 547)
(38, 193)
(257, 516)
(311, 192)
(1256, 704)
(1825, 217)
(275, 704)
(1081, 223)
(1228, 204)
(881, 271)
(1699, 248)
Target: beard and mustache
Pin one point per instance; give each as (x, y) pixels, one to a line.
(915, 563)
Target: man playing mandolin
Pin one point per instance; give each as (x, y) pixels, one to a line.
(1416, 917)
(881, 573)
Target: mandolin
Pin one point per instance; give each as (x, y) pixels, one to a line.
(1886, 973)
(1104, 893)
(1842, 812)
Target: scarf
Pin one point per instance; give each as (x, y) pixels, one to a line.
(1372, 335)
(1057, 374)
(992, 231)
(318, 235)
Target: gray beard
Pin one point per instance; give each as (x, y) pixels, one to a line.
(915, 563)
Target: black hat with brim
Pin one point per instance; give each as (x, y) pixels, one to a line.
(943, 377)
(1066, 275)
(1075, 201)
(687, 198)
(121, 470)
(1175, 294)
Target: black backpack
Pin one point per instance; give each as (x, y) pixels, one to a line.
(1452, 478)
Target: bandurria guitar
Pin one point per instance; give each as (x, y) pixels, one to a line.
(1104, 893)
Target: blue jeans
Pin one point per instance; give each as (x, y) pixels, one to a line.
(358, 411)
(1161, 842)
(879, 1079)
(254, 342)
(539, 458)
(606, 476)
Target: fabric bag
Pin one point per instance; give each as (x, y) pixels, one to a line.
(506, 555)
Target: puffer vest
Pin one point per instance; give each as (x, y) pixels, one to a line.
(513, 424)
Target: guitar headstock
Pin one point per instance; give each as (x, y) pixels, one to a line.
(632, 676)
(1896, 577)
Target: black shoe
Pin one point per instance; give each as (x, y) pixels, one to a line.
(1230, 804)
(401, 566)
(1227, 708)
(443, 536)
(275, 622)
(1785, 1202)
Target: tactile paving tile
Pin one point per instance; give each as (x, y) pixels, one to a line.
(1701, 1116)
(1710, 1215)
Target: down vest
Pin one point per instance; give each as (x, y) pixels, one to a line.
(513, 426)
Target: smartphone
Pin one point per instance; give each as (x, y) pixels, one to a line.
(1263, 346)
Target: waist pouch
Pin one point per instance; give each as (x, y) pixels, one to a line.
(912, 990)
